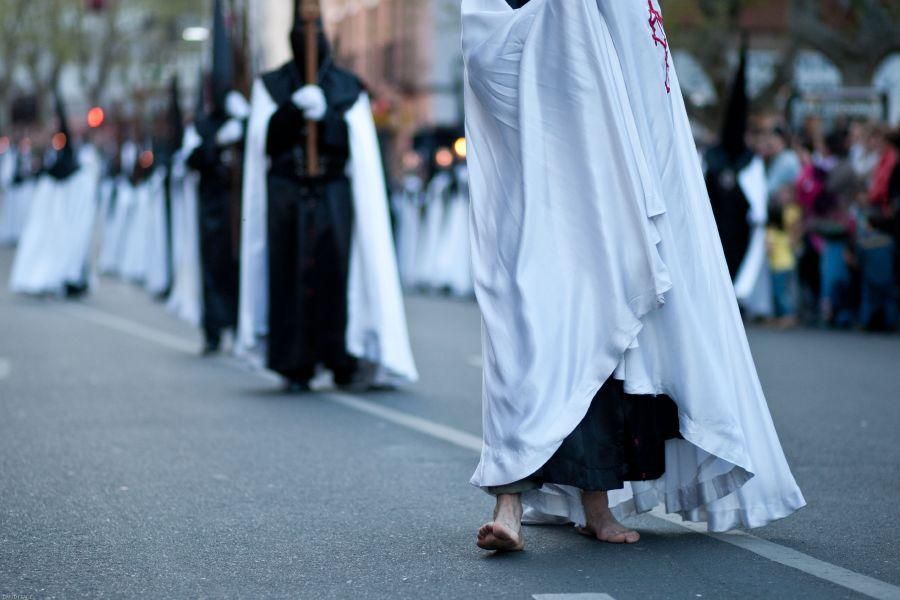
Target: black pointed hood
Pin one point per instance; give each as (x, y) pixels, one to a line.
(65, 163)
(734, 128)
(298, 40)
(223, 58)
(200, 106)
(175, 116)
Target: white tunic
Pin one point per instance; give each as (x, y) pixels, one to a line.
(595, 254)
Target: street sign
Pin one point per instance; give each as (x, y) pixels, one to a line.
(860, 103)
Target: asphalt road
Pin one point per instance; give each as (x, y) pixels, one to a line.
(131, 467)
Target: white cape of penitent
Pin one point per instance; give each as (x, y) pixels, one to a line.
(454, 259)
(376, 328)
(14, 199)
(185, 300)
(432, 231)
(407, 205)
(158, 277)
(595, 254)
(55, 243)
(753, 283)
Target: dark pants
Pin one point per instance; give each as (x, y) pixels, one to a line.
(878, 308)
(309, 227)
(622, 438)
(220, 267)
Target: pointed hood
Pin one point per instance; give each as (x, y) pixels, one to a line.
(223, 58)
(200, 106)
(298, 39)
(65, 162)
(734, 128)
(175, 116)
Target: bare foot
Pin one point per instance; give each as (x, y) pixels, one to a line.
(504, 533)
(601, 524)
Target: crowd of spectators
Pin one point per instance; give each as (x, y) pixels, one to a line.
(834, 222)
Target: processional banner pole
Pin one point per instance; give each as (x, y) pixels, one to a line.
(310, 14)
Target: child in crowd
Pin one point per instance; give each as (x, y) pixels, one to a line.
(782, 235)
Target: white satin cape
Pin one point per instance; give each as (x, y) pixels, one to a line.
(376, 328)
(186, 299)
(55, 244)
(595, 254)
(753, 282)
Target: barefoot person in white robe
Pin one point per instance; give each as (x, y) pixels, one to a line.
(617, 371)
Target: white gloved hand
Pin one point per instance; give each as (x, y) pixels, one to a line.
(311, 100)
(230, 133)
(237, 106)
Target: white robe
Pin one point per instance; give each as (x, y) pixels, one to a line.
(55, 243)
(134, 260)
(17, 206)
(35, 269)
(432, 233)
(157, 273)
(454, 262)
(79, 216)
(753, 282)
(376, 328)
(407, 205)
(595, 254)
(185, 300)
(13, 202)
(116, 223)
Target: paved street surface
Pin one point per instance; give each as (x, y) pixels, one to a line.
(131, 467)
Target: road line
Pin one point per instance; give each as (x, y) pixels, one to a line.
(5, 368)
(789, 557)
(131, 328)
(436, 430)
(783, 555)
(572, 597)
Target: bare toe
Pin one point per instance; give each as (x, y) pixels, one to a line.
(500, 539)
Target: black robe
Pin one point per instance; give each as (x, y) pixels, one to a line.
(310, 222)
(729, 204)
(217, 245)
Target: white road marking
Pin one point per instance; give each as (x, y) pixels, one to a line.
(5, 368)
(789, 557)
(435, 430)
(132, 328)
(845, 578)
(572, 597)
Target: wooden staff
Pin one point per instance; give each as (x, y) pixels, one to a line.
(310, 13)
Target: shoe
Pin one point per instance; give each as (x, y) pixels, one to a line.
(296, 387)
(211, 347)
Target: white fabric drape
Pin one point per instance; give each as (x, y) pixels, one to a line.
(407, 205)
(753, 283)
(157, 275)
(595, 253)
(186, 298)
(15, 199)
(54, 247)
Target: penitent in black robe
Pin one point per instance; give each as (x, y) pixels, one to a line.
(310, 226)
(730, 205)
(217, 247)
